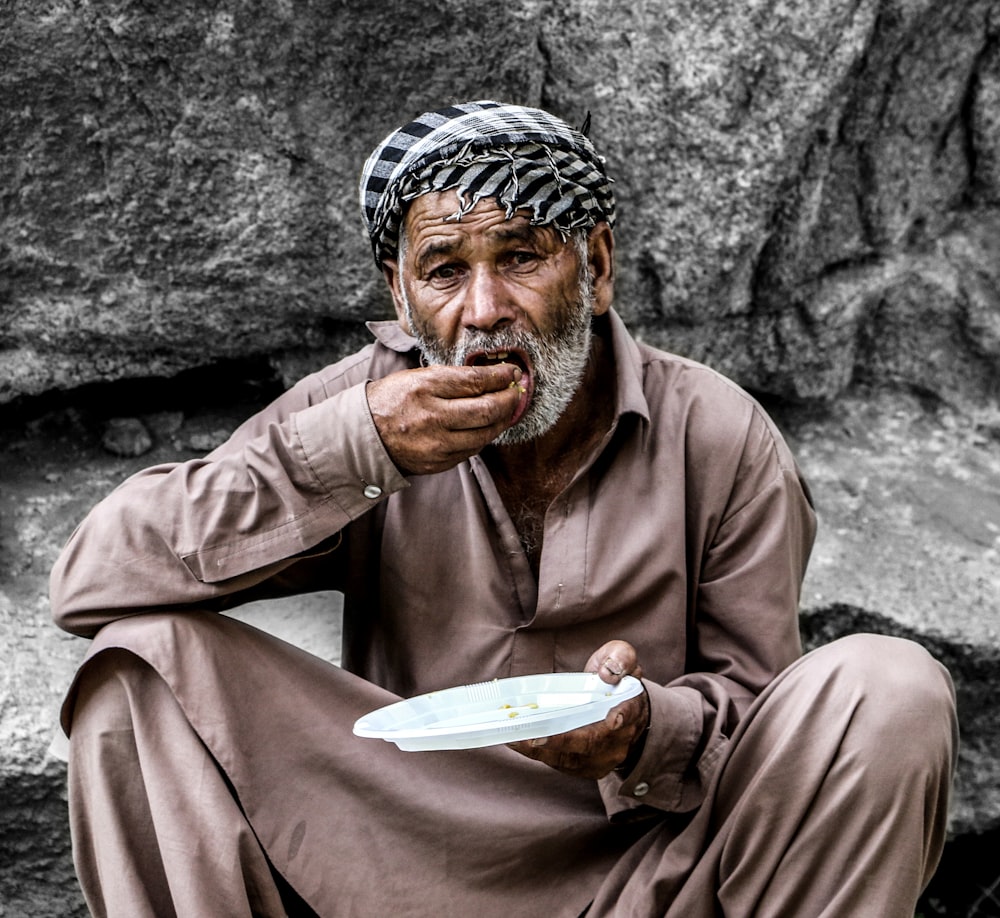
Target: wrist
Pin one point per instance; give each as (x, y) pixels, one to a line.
(637, 745)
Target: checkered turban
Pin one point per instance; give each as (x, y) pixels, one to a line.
(522, 157)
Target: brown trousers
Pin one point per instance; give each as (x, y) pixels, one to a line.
(832, 802)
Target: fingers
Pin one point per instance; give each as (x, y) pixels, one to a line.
(493, 409)
(442, 385)
(595, 750)
(464, 382)
(433, 418)
(474, 398)
(583, 752)
(614, 660)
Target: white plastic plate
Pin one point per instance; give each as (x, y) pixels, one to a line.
(501, 711)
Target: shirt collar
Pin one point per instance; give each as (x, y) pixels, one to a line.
(630, 398)
(629, 395)
(389, 333)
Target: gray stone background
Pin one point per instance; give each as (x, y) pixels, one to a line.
(809, 200)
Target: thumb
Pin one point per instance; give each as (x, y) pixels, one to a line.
(614, 660)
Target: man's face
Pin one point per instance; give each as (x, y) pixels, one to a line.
(487, 289)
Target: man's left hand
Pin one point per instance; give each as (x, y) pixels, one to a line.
(596, 750)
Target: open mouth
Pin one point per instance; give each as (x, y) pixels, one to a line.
(517, 357)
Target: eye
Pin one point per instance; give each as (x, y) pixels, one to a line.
(444, 272)
(523, 257)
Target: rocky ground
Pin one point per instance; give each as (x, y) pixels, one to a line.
(908, 495)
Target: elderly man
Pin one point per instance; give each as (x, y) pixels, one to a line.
(504, 483)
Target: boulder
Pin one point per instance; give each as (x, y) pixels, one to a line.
(809, 200)
(809, 192)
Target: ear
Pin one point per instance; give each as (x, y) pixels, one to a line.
(601, 264)
(393, 277)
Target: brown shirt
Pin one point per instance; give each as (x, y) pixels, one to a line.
(686, 533)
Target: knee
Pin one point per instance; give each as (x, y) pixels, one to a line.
(893, 671)
(900, 696)
(104, 692)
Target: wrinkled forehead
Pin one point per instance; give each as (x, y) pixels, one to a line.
(429, 223)
(524, 159)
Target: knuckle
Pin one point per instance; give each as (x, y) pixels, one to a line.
(486, 413)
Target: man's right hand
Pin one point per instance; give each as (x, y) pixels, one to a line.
(433, 418)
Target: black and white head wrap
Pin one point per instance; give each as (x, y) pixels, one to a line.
(523, 157)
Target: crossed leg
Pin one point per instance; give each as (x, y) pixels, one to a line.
(832, 802)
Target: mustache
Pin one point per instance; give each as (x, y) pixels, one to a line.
(502, 340)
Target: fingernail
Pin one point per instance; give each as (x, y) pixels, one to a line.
(539, 741)
(613, 666)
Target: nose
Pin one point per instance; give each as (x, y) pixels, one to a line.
(487, 305)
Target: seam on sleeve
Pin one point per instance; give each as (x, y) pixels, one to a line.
(768, 489)
(773, 454)
(205, 561)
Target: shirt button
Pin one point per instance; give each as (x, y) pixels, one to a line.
(372, 492)
(641, 789)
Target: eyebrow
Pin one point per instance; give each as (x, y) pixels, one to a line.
(525, 233)
(432, 251)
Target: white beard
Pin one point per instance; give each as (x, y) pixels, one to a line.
(558, 362)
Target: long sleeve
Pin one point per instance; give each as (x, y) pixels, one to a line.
(203, 532)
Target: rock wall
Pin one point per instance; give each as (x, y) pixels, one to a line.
(809, 197)
(810, 191)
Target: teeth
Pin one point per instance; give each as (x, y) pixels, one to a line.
(499, 355)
